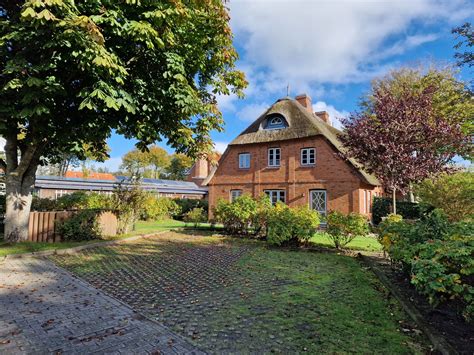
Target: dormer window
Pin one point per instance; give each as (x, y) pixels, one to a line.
(275, 122)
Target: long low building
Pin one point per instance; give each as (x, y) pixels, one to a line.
(56, 186)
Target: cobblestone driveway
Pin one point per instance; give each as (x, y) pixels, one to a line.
(43, 309)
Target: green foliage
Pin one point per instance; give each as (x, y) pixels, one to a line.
(128, 202)
(291, 225)
(452, 193)
(75, 201)
(157, 208)
(178, 167)
(44, 204)
(443, 270)
(150, 163)
(382, 206)
(187, 204)
(195, 216)
(342, 228)
(438, 255)
(280, 224)
(71, 72)
(237, 216)
(83, 225)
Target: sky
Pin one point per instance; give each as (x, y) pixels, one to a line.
(330, 50)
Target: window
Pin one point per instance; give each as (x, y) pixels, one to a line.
(234, 194)
(61, 193)
(275, 122)
(274, 157)
(244, 161)
(308, 156)
(318, 201)
(276, 195)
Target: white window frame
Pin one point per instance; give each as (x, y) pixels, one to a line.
(308, 152)
(243, 159)
(321, 212)
(60, 193)
(235, 194)
(279, 194)
(272, 157)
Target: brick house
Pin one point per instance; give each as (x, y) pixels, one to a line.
(292, 154)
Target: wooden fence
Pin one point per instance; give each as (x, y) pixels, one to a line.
(42, 226)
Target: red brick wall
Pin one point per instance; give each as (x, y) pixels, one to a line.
(343, 184)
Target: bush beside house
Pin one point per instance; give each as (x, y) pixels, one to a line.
(438, 255)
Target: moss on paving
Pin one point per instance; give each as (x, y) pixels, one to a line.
(230, 295)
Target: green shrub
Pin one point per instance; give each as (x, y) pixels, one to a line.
(382, 207)
(443, 270)
(195, 216)
(75, 201)
(237, 216)
(291, 225)
(342, 228)
(128, 202)
(187, 204)
(156, 208)
(438, 255)
(452, 193)
(44, 204)
(83, 225)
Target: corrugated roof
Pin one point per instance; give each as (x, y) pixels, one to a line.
(166, 186)
(301, 123)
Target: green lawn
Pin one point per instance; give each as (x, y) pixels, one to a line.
(359, 243)
(230, 295)
(141, 227)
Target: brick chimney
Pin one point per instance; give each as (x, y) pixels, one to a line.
(305, 100)
(201, 168)
(324, 116)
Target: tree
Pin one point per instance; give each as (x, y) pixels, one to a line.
(71, 72)
(179, 167)
(451, 97)
(452, 193)
(465, 35)
(401, 139)
(158, 160)
(150, 163)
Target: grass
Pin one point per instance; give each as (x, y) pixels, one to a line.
(359, 243)
(264, 300)
(142, 227)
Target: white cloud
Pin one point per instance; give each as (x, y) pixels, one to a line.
(334, 114)
(251, 112)
(220, 146)
(313, 42)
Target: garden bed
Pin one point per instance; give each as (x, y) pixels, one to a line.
(445, 319)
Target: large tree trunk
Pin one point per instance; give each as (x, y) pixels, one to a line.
(18, 205)
(394, 200)
(20, 171)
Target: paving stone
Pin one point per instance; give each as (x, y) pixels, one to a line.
(46, 310)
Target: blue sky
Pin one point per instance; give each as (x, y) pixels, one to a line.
(330, 50)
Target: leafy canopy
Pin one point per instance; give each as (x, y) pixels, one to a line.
(402, 135)
(74, 71)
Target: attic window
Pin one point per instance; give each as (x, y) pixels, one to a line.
(275, 122)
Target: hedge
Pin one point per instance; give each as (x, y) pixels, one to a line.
(382, 207)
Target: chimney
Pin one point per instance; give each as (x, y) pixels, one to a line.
(201, 168)
(324, 116)
(305, 100)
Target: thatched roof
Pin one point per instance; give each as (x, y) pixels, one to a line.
(301, 123)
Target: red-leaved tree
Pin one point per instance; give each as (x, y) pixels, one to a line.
(401, 140)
